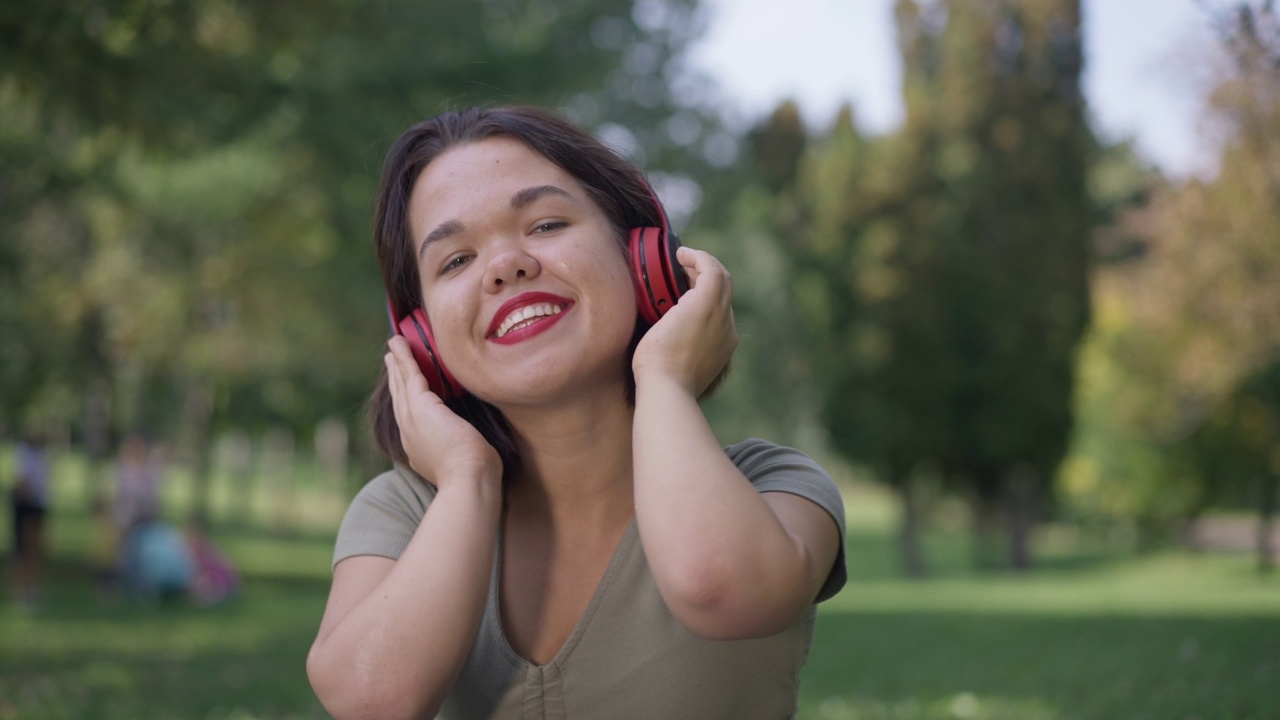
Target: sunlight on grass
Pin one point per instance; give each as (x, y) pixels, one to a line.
(1170, 583)
(962, 706)
(1093, 632)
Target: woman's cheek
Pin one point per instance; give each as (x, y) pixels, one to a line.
(449, 325)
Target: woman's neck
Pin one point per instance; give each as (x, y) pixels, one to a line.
(575, 461)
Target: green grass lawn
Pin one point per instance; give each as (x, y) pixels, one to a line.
(1168, 636)
(1090, 635)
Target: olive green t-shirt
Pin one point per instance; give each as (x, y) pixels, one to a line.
(628, 657)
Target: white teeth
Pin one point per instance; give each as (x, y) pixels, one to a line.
(525, 314)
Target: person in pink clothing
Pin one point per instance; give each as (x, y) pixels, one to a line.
(216, 579)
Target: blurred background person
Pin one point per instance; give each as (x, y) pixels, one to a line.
(215, 578)
(137, 496)
(30, 502)
(158, 564)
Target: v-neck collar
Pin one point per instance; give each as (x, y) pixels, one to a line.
(626, 545)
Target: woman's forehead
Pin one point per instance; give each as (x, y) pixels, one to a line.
(498, 162)
(482, 177)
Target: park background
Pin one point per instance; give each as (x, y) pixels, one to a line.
(1045, 371)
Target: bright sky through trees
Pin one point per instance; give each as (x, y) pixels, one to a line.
(1143, 72)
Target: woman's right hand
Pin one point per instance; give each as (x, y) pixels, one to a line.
(396, 633)
(441, 446)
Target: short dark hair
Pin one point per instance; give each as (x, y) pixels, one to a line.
(613, 183)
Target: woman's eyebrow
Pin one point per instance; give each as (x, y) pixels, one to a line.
(442, 231)
(529, 194)
(521, 199)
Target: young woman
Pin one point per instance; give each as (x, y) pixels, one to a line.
(565, 539)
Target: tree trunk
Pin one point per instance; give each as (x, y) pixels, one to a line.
(1270, 488)
(332, 460)
(278, 448)
(986, 549)
(198, 413)
(1020, 515)
(910, 551)
(97, 439)
(238, 456)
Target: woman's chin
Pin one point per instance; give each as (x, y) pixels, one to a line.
(554, 391)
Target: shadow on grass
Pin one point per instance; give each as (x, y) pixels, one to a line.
(927, 665)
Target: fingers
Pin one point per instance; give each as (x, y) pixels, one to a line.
(693, 342)
(706, 272)
(411, 375)
(405, 381)
(395, 384)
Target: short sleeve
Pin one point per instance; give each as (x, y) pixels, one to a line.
(774, 468)
(383, 516)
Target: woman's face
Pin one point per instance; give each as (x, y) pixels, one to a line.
(524, 280)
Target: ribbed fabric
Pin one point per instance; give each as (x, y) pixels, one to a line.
(628, 657)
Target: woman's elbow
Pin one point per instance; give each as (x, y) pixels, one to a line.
(338, 690)
(714, 607)
(348, 694)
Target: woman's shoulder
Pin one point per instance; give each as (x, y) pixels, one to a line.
(777, 468)
(399, 485)
(384, 514)
(758, 458)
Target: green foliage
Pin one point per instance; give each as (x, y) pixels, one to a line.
(940, 273)
(186, 187)
(1013, 229)
(1116, 473)
(1235, 454)
(1177, 400)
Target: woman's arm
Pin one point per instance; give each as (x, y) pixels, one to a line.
(729, 561)
(396, 633)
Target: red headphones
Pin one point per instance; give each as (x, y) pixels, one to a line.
(658, 278)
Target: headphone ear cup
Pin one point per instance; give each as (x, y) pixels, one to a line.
(658, 277)
(416, 331)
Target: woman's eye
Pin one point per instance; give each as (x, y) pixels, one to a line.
(454, 263)
(549, 226)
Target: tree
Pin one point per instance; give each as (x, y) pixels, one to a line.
(944, 269)
(185, 189)
(1188, 320)
(865, 267)
(1236, 454)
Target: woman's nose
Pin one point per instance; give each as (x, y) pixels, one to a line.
(508, 266)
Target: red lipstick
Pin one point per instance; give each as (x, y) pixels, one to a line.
(535, 328)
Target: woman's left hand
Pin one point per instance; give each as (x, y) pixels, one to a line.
(693, 342)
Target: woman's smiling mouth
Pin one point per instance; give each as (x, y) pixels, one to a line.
(525, 316)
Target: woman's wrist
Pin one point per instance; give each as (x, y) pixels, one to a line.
(649, 380)
(481, 489)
